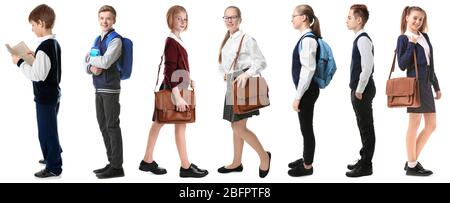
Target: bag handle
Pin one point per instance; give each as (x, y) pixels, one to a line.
(415, 65)
(159, 69)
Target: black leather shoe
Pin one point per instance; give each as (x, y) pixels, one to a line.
(229, 170)
(193, 172)
(152, 167)
(111, 173)
(296, 163)
(42, 161)
(353, 166)
(102, 170)
(300, 171)
(418, 171)
(360, 171)
(263, 173)
(45, 174)
(406, 166)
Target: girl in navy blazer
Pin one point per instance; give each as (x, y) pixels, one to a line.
(414, 38)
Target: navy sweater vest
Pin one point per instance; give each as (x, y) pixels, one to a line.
(110, 78)
(355, 67)
(48, 91)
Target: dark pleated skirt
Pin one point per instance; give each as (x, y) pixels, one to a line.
(426, 99)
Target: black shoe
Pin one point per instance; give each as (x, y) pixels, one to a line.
(263, 173)
(102, 170)
(406, 166)
(418, 171)
(229, 170)
(296, 163)
(152, 167)
(353, 166)
(42, 161)
(44, 173)
(193, 172)
(360, 171)
(300, 171)
(111, 173)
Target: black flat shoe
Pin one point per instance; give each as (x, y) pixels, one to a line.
(300, 171)
(45, 174)
(152, 167)
(229, 170)
(296, 163)
(263, 173)
(102, 170)
(193, 172)
(360, 171)
(353, 166)
(111, 173)
(418, 171)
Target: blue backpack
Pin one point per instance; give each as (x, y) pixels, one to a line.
(325, 63)
(125, 63)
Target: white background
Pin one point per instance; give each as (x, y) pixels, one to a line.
(209, 140)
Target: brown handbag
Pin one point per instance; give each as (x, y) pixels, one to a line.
(253, 96)
(404, 91)
(165, 109)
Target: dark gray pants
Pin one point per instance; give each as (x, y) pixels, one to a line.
(108, 111)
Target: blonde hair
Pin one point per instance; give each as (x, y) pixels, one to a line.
(307, 10)
(172, 12)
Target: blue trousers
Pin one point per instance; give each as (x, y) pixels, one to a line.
(48, 136)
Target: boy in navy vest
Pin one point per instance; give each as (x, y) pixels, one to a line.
(106, 80)
(45, 73)
(362, 88)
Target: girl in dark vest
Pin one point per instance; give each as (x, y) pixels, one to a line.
(303, 68)
(414, 39)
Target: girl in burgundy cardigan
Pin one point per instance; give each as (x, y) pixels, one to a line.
(176, 61)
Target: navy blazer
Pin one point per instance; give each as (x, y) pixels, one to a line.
(405, 57)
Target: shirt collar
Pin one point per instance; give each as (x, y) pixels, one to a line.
(409, 33)
(305, 31)
(236, 34)
(41, 39)
(359, 32)
(173, 36)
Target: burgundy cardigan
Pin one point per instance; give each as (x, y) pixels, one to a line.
(174, 55)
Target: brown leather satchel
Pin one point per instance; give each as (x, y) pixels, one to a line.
(165, 109)
(404, 91)
(253, 96)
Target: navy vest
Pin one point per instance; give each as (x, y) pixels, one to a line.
(110, 78)
(48, 91)
(355, 67)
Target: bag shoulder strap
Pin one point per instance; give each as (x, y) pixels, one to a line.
(233, 65)
(415, 65)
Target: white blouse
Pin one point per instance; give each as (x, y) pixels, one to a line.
(250, 56)
(307, 53)
(423, 42)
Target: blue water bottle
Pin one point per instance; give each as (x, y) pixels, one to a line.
(94, 52)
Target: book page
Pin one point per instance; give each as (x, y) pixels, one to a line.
(22, 51)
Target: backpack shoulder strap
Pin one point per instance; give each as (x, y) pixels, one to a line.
(110, 36)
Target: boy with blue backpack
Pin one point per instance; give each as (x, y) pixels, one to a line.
(362, 88)
(313, 67)
(109, 61)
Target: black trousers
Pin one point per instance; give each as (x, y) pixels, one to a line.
(305, 117)
(364, 118)
(108, 111)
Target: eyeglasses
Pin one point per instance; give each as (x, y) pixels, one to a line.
(227, 18)
(293, 16)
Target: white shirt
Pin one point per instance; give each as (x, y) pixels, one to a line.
(307, 54)
(249, 57)
(365, 50)
(40, 68)
(423, 42)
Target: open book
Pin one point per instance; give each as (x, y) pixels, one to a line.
(21, 50)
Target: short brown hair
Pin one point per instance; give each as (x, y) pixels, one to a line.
(360, 10)
(43, 13)
(108, 8)
(171, 13)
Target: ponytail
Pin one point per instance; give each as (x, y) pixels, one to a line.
(315, 26)
(227, 36)
(313, 20)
